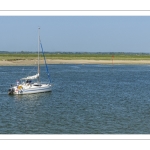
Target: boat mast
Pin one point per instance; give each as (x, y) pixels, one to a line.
(38, 54)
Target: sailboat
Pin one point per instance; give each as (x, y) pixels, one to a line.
(28, 84)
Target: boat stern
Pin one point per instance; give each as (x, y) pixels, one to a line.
(11, 91)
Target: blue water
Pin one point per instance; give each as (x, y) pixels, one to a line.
(86, 99)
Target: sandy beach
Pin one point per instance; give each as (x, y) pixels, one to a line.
(34, 62)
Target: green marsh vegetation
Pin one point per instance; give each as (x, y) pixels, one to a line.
(74, 56)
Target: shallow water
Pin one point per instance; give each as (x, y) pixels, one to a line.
(86, 99)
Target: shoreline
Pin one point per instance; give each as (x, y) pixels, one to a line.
(59, 61)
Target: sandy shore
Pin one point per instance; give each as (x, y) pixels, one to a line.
(33, 62)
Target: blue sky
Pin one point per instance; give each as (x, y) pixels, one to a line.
(76, 33)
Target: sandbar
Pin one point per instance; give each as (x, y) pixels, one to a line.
(59, 61)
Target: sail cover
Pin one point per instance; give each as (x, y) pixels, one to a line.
(31, 77)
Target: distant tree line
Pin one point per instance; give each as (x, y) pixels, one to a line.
(109, 53)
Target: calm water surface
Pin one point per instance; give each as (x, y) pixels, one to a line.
(86, 99)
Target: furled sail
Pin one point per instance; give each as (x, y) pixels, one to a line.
(45, 63)
(31, 77)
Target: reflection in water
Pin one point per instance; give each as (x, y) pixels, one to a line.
(32, 97)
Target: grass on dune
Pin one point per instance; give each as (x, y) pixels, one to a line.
(74, 56)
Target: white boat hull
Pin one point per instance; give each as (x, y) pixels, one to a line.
(31, 89)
